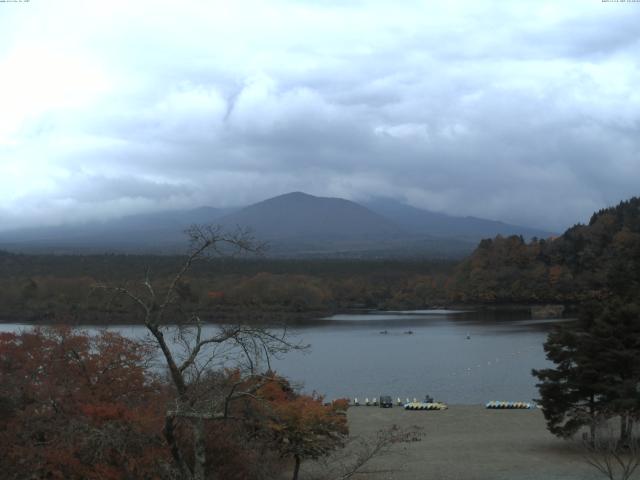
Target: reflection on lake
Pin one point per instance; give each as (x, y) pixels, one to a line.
(459, 357)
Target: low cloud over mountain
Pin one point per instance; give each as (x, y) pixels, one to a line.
(294, 224)
(526, 112)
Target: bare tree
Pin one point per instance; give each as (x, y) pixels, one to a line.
(359, 453)
(191, 352)
(613, 458)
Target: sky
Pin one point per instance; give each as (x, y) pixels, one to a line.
(526, 112)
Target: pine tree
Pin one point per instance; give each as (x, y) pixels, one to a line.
(616, 331)
(597, 373)
(571, 396)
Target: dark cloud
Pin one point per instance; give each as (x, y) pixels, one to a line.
(96, 189)
(526, 112)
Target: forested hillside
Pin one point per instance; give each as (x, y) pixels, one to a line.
(59, 288)
(586, 262)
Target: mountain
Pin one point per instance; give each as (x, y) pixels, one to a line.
(297, 224)
(424, 222)
(301, 216)
(294, 224)
(152, 232)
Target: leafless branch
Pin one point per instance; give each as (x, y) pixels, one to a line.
(611, 457)
(360, 452)
(193, 351)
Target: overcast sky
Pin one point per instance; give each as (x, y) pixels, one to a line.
(526, 112)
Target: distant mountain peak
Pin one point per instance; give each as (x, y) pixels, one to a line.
(294, 195)
(293, 223)
(290, 196)
(299, 196)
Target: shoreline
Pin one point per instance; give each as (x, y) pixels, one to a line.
(470, 442)
(262, 317)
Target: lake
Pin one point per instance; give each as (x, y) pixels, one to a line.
(459, 357)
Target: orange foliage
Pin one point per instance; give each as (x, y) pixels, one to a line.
(75, 406)
(302, 426)
(555, 272)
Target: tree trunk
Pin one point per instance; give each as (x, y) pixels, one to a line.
(296, 469)
(592, 433)
(176, 374)
(594, 421)
(625, 431)
(199, 449)
(169, 433)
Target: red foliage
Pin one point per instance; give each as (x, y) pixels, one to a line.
(234, 452)
(74, 406)
(302, 426)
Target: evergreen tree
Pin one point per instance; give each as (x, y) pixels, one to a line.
(616, 333)
(570, 393)
(597, 373)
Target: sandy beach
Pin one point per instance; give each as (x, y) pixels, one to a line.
(471, 443)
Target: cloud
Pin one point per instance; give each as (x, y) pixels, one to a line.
(526, 112)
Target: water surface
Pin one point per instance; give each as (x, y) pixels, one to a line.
(460, 357)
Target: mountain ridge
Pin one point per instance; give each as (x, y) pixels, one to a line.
(294, 224)
(300, 215)
(435, 223)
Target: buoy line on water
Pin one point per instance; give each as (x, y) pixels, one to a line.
(498, 362)
(460, 372)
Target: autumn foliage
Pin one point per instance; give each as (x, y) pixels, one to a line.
(587, 262)
(302, 426)
(75, 406)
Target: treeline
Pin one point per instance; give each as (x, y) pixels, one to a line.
(587, 262)
(61, 288)
(596, 375)
(74, 406)
(183, 403)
